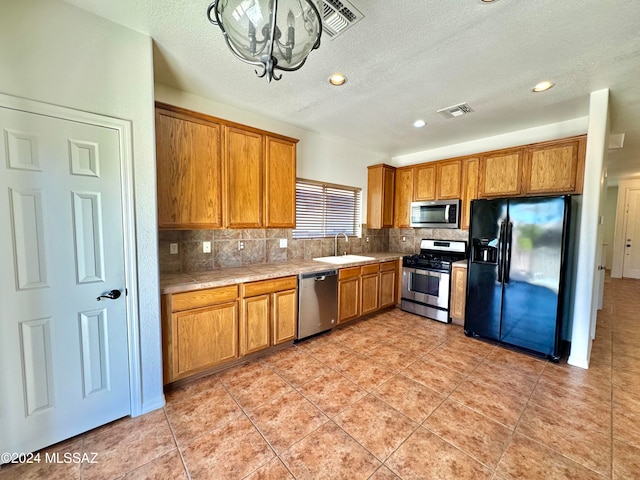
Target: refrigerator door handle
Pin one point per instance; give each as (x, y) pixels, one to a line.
(500, 251)
(507, 249)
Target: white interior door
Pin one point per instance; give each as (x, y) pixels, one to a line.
(63, 354)
(631, 266)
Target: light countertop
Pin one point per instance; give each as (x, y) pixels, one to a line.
(183, 282)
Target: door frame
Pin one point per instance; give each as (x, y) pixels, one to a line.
(125, 141)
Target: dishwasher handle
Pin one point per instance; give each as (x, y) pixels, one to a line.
(321, 278)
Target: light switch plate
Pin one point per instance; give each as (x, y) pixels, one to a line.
(283, 243)
(173, 248)
(206, 247)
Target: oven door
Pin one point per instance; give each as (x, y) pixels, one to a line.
(426, 286)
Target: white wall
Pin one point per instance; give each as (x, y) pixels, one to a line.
(319, 157)
(590, 234)
(53, 52)
(610, 207)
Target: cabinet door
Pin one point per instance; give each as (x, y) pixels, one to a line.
(369, 285)
(254, 334)
(469, 190)
(244, 176)
(380, 190)
(501, 173)
(285, 316)
(204, 338)
(458, 294)
(280, 183)
(403, 198)
(555, 167)
(448, 179)
(425, 182)
(189, 172)
(387, 284)
(348, 299)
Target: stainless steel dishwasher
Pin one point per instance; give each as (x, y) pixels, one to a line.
(317, 302)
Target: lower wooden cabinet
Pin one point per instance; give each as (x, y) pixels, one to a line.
(254, 329)
(285, 316)
(348, 294)
(269, 313)
(370, 288)
(388, 279)
(200, 330)
(363, 290)
(458, 294)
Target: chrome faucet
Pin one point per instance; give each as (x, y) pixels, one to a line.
(335, 243)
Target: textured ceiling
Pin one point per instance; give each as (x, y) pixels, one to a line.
(409, 58)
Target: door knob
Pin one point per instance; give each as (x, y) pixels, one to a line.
(112, 295)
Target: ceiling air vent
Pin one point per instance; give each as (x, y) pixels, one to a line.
(456, 110)
(338, 16)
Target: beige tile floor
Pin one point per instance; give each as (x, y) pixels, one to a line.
(394, 396)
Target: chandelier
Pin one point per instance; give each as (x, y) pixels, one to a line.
(272, 34)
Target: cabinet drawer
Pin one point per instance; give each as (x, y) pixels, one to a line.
(350, 272)
(203, 298)
(388, 266)
(370, 269)
(269, 286)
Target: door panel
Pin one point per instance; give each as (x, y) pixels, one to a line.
(484, 288)
(64, 354)
(531, 289)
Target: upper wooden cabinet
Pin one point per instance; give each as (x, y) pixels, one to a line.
(500, 173)
(280, 183)
(424, 187)
(403, 198)
(244, 167)
(555, 167)
(469, 189)
(380, 196)
(213, 173)
(189, 171)
(448, 179)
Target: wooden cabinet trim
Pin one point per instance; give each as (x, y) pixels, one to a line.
(370, 269)
(203, 298)
(269, 286)
(349, 272)
(387, 266)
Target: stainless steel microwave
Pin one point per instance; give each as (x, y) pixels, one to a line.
(436, 214)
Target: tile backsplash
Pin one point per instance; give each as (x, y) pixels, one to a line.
(260, 246)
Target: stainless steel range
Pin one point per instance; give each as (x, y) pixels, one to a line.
(426, 278)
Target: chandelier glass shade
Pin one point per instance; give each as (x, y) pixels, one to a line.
(271, 34)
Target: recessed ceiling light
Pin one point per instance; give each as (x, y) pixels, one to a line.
(542, 86)
(487, 1)
(337, 79)
(419, 123)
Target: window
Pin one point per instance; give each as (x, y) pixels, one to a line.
(322, 210)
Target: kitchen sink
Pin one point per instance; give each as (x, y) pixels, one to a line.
(340, 259)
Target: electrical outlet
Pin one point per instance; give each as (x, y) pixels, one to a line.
(367, 239)
(283, 243)
(404, 239)
(206, 247)
(240, 245)
(173, 248)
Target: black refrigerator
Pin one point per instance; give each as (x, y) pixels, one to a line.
(520, 256)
